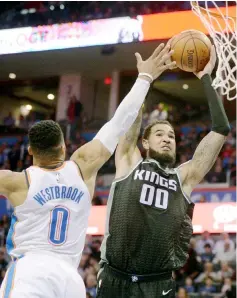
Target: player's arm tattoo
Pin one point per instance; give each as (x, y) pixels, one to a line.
(128, 142)
(205, 156)
(132, 135)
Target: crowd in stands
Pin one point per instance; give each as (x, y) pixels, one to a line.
(209, 270)
(34, 13)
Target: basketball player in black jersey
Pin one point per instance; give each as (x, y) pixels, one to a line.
(149, 227)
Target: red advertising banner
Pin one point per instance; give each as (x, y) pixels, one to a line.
(213, 217)
(166, 25)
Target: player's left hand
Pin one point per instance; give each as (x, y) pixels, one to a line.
(210, 65)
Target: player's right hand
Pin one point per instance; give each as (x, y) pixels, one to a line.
(210, 65)
(155, 64)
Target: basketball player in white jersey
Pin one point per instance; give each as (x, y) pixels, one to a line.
(52, 198)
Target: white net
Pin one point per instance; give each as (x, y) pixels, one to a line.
(221, 25)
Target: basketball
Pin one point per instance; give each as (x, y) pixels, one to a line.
(191, 50)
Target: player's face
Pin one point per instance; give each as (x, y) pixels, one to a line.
(161, 144)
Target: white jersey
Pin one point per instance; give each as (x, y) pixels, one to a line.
(54, 216)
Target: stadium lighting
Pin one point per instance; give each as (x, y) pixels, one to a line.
(185, 86)
(50, 96)
(24, 11)
(12, 76)
(51, 7)
(62, 6)
(32, 10)
(29, 107)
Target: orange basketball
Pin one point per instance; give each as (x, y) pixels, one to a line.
(191, 50)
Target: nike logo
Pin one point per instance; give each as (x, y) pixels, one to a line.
(165, 293)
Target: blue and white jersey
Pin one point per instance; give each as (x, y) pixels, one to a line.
(54, 216)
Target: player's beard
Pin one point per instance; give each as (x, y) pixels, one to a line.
(164, 159)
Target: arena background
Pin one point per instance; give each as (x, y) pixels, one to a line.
(74, 62)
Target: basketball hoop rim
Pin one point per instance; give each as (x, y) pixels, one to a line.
(195, 4)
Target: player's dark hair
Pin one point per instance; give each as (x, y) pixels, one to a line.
(45, 138)
(147, 130)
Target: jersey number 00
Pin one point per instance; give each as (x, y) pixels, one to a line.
(153, 196)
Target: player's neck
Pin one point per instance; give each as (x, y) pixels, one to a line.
(48, 164)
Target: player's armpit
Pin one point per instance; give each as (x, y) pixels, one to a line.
(90, 158)
(203, 159)
(5, 182)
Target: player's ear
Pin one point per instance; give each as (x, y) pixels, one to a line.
(30, 150)
(145, 144)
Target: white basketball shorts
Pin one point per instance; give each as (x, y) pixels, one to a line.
(42, 276)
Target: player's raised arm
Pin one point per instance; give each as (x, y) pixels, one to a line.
(94, 154)
(127, 154)
(207, 151)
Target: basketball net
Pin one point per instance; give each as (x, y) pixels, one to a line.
(223, 30)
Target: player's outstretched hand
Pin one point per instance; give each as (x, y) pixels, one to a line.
(210, 65)
(155, 64)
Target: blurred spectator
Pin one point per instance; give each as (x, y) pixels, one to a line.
(97, 201)
(83, 264)
(227, 150)
(208, 273)
(231, 139)
(23, 124)
(74, 112)
(3, 262)
(227, 288)
(100, 192)
(100, 184)
(9, 120)
(208, 288)
(229, 163)
(189, 285)
(31, 119)
(14, 156)
(95, 248)
(5, 221)
(220, 244)
(2, 234)
(206, 239)
(228, 255)
(3, 157)
(2, 275)
(90, 283)
(202, 199)
(19, 167)
(216, 176)
(233, 176)
(225, 272)
(159, 113)
(208, 255)
(28, 161)
(182, 293)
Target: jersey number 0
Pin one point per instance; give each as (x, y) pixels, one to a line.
(152, 196)
(58, 225)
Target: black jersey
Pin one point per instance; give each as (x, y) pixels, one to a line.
(149, 225)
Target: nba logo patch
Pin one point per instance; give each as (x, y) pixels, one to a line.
(58, 177)
(134, 278)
